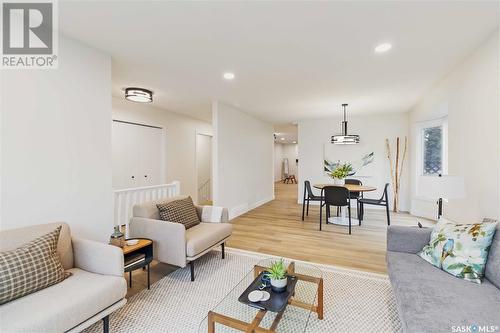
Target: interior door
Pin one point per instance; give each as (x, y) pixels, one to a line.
(150, 155)
(138, 155)
(125, 156)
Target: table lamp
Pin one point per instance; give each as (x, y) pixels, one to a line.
(441, 187)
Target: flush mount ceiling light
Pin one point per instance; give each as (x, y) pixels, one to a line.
(384, 47)
(344, 138)
(228, 76)
(140, 95)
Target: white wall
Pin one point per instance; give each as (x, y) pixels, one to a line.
(373, 130)
(180, 139)
(469, 96)
(56, 143)
(243, 160)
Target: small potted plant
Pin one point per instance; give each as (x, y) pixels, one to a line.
(278, 275)
(340, 173)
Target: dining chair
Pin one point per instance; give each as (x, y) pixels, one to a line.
(334, 196)
(383, 201)
(355, 195)
(308, 196)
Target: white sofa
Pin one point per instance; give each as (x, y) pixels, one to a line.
(172, 243)
(95, 289)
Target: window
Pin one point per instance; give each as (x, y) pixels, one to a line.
(432, 150)
(432, 147)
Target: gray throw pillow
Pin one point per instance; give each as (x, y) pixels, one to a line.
(179, 211)
(31, 267)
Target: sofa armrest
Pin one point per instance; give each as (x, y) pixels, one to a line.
(97, 257)
(407, 239)
(169, 239)
(224, 217)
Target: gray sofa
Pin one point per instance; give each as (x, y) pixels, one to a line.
(431, 300)
(95, 289)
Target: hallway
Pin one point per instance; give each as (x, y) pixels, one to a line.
(276, 228)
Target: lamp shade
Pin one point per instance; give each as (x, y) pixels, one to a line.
(446, 187)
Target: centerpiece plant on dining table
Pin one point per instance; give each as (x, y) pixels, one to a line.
(340, 173)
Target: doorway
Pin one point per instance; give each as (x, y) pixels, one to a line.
(204, 168)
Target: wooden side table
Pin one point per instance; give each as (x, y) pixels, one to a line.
(138, 256)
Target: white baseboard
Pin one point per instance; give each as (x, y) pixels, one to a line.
(243, 208)
(423, 213)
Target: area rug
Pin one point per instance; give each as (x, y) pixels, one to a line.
(354, 301)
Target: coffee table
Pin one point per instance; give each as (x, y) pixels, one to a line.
(230, 315)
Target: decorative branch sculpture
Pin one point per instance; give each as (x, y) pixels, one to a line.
(397, 171)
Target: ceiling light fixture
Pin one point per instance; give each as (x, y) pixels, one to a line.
(282, 139)
(228, 76)
(384, 47)
(139, 95)
(344, 138)
(295, 142)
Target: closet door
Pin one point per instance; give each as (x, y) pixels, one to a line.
(125, 148)
(150, 156)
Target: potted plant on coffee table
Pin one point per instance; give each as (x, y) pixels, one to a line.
(278, 276)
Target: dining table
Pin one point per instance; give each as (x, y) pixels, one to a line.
(343, 220)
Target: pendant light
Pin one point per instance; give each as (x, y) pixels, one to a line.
(344, 138)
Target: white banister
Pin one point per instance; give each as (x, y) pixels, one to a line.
(124, 200)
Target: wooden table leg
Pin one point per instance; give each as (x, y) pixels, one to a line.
(211, 323)
(320, 299)
(291, 268)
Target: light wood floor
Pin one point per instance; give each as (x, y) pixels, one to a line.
(276, 228)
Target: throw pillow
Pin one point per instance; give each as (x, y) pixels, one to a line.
(460, 249)
(180, 211)
(31, 267)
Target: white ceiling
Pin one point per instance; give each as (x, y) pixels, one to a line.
(292, 60)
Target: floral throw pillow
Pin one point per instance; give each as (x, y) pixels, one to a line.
(460, 249)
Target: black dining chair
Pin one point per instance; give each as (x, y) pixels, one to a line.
(383, 201)
(355, 195)
(308, 196)
(334, 196)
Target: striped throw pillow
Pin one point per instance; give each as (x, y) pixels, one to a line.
(31, 267)
(180, 211)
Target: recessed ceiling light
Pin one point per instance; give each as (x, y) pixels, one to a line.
(384, 47)
(295, 142)
(228, 76)
(282, 139)
(140, 95)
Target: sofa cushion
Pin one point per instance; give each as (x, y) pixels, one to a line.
(460, 249)
(149, 210)
(492, 271)
(431, 300)
(31, 267)
(14, 238)
(180, 211)
(64, 305)
(204, 236)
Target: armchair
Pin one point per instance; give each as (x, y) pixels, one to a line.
(172, 243)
